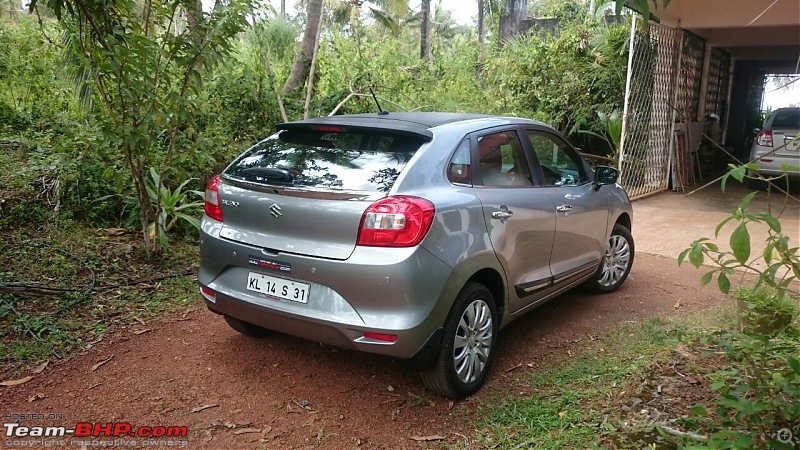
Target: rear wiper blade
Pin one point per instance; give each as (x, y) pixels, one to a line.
(271, 174)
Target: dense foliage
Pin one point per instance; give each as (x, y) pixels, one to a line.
(94, 149)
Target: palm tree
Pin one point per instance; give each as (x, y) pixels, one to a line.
(386, 13)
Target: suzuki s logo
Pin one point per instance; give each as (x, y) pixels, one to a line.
(275, 210)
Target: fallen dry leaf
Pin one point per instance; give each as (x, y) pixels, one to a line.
(204, 407)
(514, 368)
(10, 383)
(97, 366)
(390, 388)
(677, 304)
(40, 368)
(36, 396)
(92, 343)
(208, 436)
(434, 437)
(115, 231)
(691, 380)
(247, 430)
(562, 414)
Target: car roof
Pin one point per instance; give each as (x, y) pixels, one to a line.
(417, 123)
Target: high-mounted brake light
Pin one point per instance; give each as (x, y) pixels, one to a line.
(400, 221)
(212, 208)
(327, 128)
(764, 138)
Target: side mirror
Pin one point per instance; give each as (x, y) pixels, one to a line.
(604, 175)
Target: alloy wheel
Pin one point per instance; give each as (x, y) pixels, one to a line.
(616, 261)
(473, 341)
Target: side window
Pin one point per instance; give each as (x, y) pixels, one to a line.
(501, 160)
(561, 166)
(459, 171)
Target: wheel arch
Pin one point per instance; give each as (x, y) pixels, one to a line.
(493, 281)
(624, 219)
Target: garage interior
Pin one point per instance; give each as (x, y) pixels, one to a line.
(696, 80)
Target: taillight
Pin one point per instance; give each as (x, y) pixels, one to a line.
(212, 199)
(400, 221)
(764, 138)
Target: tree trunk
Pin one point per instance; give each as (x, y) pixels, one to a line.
(514, 12)
(310, 88)
(481, 29)
(194, 17)
(299, 72)
(283, 8)
(425, 31)
(481, 43)
(14, 8)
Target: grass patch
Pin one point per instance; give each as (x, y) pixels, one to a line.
(575, 403)
(127, 289)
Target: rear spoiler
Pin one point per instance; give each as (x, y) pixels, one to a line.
(377, 124)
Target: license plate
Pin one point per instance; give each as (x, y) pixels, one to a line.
(278, 287)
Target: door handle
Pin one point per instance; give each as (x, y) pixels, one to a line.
(564, 208)
(502, 214)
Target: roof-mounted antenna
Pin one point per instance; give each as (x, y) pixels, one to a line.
(381, 111)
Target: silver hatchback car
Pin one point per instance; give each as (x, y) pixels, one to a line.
(413, 235)
(776, 147)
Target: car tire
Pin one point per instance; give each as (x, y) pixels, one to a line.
(467, 347)
(616, 264)
(246, 328)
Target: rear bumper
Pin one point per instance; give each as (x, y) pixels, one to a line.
(401, 292)
(773, 164)
(329, 333)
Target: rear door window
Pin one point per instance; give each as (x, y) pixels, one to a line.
(338, 159)
(560, 165)
(501, 160)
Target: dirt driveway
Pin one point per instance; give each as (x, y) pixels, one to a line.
(282, 392)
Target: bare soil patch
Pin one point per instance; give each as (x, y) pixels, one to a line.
(282, 392)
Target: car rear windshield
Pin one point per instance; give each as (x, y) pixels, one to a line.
(352, 160)
(789, 118)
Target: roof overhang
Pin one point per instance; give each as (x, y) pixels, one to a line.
(749, 29)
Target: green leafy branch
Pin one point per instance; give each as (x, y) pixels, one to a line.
(778, 254)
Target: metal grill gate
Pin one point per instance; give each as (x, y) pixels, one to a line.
(663, 86)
